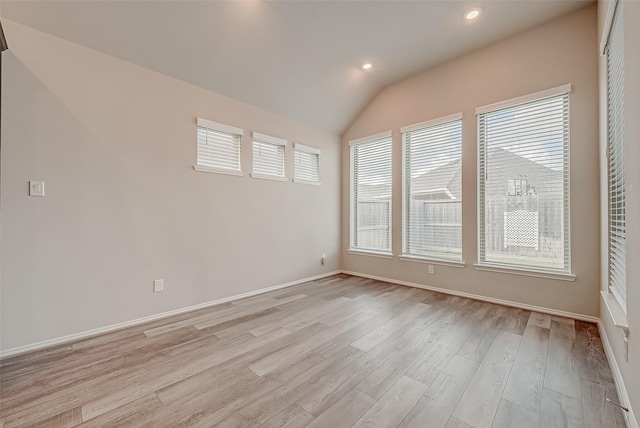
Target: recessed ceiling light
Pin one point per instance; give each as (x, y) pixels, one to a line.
(472, 14)
(367, 66)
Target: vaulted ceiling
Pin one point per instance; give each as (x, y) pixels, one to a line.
(297, 58)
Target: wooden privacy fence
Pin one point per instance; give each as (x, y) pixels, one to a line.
(373, 223)
(436, 226)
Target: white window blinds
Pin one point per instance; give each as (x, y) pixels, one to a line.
(268, 157)
(306, 164)
(218, 147)
(616, 148)
(432, 189)
(523, 182)
(370, 219)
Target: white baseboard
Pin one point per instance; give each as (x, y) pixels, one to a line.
(617, 377)
(549, 311)
(107, 329)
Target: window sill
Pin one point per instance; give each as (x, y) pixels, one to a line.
(615, 311)
(268, 177)
(441, 262)
(371, 253)
(202, 168)
(537, 273)
(313, 183)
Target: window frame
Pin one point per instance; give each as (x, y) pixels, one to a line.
(564, 274)
(423, 126)
(297, 147)
(354, 249)
(259, 138)
(221, 128)
(616, 155)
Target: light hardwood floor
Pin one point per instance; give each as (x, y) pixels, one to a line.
(341, 352)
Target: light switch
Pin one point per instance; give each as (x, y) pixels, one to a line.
(36, 188)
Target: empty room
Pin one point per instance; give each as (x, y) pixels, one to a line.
(320, 213)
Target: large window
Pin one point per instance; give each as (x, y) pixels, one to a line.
(371, 194)
(268, 157)
(523, 182)
(616, 148)
(432, 189)
(218, 147)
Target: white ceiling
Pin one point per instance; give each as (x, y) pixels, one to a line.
(297, 58)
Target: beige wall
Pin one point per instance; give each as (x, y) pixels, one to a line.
(563, 51)
(115, 144)
(629, 369)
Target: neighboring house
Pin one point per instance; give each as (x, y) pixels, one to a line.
(439, 184)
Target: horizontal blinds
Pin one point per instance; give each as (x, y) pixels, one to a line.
(268, 157)
(306, 164)
(218, 148)
(524, 184)
(432, 190)
(371, 194)
(616, 179)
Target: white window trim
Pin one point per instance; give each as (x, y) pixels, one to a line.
(547, 93)
(428, 123)
(372, 253)
(202, 168)
(304, 148)
(308, 149)
(268, 177)
(418, 126)
(370, 138)
(615, 312)
(517, 270)
(361, 251)
(431, 261)
(615, 309)
(257, 136)
(608, 23)
(537, 273)
(269, 139)
(221, 127)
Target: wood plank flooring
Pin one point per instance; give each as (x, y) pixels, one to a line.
(339, 352)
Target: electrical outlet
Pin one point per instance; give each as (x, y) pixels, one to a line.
(323, 259)
(431, 269)
(158, 285)
(36, 188)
